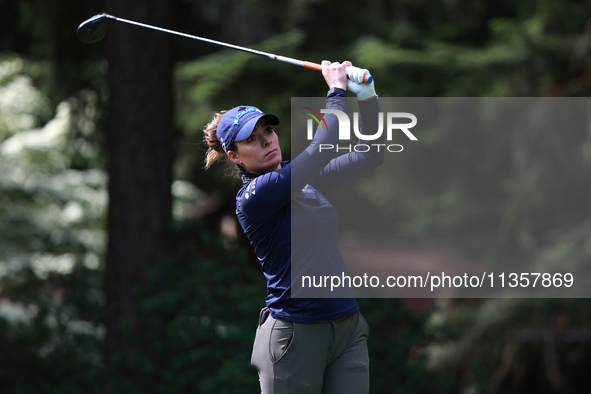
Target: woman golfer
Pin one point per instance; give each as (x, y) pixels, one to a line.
(302, 345)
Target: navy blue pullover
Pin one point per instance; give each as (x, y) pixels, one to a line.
(264, 208)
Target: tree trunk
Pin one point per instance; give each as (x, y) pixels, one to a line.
(140, 176)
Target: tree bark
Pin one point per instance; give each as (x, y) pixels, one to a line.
(140, 177)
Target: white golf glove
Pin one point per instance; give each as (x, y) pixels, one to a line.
(355, 83)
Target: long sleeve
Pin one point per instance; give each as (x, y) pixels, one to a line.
(268, 193)
(353, 165)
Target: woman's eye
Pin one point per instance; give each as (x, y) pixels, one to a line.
(269, 130)
(250, 139)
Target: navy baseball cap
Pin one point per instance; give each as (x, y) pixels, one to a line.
(238, 124)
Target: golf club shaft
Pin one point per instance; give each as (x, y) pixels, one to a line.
(285, 59)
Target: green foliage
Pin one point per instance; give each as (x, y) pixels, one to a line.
(52, 337)
(203, 309)
(483, 343)
(204, 306)
(53, 194)
(51, 215)
(397, 341)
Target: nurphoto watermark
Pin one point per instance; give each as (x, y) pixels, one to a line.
(436, 218)
(364, 144)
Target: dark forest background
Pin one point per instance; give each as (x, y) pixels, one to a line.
(121, 267)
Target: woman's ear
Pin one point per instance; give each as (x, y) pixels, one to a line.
(234, 157)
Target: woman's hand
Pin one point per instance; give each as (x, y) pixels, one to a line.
(364, 91)
(334, 74)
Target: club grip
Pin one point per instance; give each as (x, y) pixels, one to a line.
(315, 66)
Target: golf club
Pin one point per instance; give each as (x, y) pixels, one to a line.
(94, 29)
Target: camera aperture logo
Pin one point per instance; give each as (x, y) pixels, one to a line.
(365, 140)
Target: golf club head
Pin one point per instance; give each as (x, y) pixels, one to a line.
(93, 29)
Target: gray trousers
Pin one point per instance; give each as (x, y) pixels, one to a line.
(318, 358)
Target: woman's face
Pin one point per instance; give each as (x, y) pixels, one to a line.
(260, 152)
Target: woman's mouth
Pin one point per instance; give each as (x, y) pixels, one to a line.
(272, 151)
